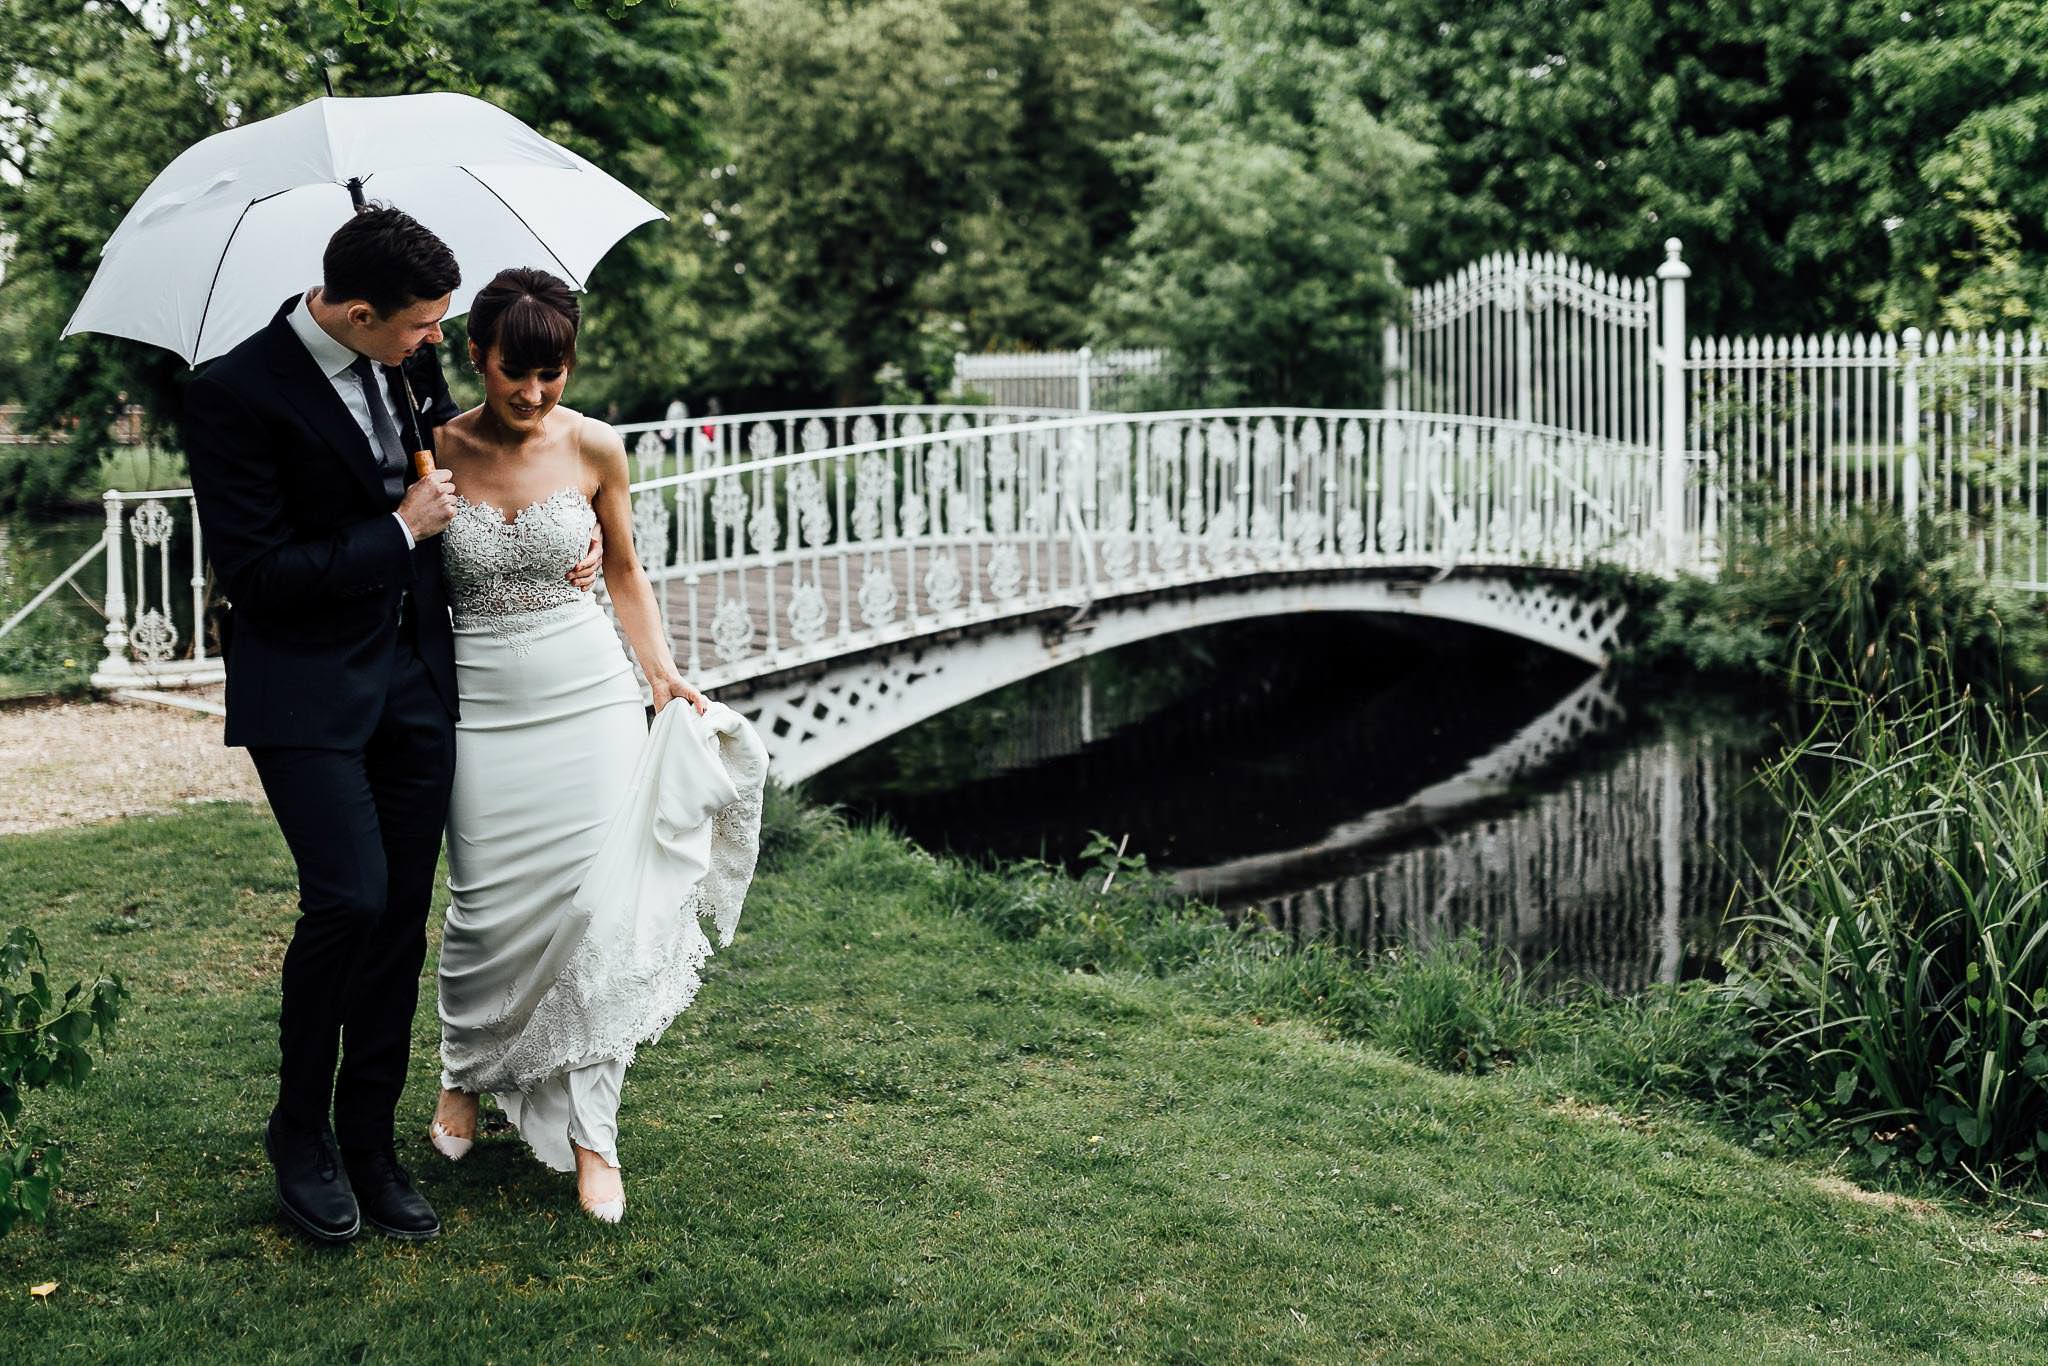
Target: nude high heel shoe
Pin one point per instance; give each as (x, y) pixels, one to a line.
(446, 1141)
(599, 1189)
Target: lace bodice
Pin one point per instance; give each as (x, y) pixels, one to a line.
(499, 572)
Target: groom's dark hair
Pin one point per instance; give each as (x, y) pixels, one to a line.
(386, 258)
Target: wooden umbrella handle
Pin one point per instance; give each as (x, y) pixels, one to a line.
(422, 458)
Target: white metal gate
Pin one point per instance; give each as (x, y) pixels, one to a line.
(1545, 339)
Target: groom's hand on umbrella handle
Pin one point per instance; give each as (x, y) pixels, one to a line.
(429, 505)
(584, 573)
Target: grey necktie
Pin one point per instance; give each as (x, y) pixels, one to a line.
(390, 455)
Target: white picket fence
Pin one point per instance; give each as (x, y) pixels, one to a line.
(1077, 381)
(1539, 338)
(1810, 427)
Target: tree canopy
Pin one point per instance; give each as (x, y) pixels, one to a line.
(859, 188)
(104, 95)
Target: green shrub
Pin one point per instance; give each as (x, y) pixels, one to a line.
(1691, 1042)
(791, 826)
(1136, 921)
(1897, 611)
(50, 653)
(1459, 1006)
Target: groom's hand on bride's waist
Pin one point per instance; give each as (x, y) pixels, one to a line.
(429, 505)
(583, 574)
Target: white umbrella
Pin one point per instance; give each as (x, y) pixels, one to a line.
(239, 221)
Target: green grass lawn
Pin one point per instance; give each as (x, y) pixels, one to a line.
(886, 1133)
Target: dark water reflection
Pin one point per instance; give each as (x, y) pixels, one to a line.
(1345, 779)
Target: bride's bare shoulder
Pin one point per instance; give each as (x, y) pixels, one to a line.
(603, 450)
(462, 426)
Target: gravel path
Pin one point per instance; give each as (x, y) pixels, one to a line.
(77, 763)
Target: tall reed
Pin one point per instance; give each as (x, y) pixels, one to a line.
(1896, 958)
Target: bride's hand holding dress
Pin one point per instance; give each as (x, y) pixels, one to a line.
(669, 686)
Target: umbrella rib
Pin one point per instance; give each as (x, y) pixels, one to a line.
(523, 223)
(214, 283)
(225, 247)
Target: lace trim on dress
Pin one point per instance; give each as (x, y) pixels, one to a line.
(502, 574)
(610, 999)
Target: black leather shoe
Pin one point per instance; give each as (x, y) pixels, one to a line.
(390, 1204)
(312, 1188)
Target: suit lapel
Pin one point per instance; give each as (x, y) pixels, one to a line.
(309, 391)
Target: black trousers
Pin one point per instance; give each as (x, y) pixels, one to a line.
(365, 828)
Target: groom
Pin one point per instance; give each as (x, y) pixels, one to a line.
(341, 682)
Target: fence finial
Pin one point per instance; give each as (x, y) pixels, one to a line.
(1673, 268)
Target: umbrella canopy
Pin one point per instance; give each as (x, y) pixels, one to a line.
(239, 221)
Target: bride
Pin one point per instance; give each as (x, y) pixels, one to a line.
(543, 997)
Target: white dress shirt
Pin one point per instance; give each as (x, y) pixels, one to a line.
(334, 360)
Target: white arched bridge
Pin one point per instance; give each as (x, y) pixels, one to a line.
(876, 575)
(839, 575)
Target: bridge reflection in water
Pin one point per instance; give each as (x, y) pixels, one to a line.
(1620, 875)
(1349, 786)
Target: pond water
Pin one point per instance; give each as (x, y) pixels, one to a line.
(1368, 783)
(67, 626)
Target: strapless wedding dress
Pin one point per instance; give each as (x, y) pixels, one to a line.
(545, 993)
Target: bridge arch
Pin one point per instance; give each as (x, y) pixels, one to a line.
(840, 593)
(812, 717)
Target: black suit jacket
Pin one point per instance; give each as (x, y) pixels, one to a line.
(304, 545)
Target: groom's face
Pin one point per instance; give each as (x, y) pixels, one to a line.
(389, 339)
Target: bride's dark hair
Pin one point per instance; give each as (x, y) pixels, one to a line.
(532, 317)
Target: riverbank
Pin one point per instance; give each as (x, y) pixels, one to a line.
(894, 1129)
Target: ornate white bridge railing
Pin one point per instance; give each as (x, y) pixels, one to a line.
(155, 582)
(726, 439)
(794, 536)
(155, 592)
(773, 563)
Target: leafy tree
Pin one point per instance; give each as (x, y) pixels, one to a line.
(892, 166)
(1828, 163)
(1601, 130)
(628, 87)
(1027, 244)
(1947, 154)
(1274, 205)
(105, 96)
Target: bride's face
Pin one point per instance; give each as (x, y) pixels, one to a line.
(520, 399)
